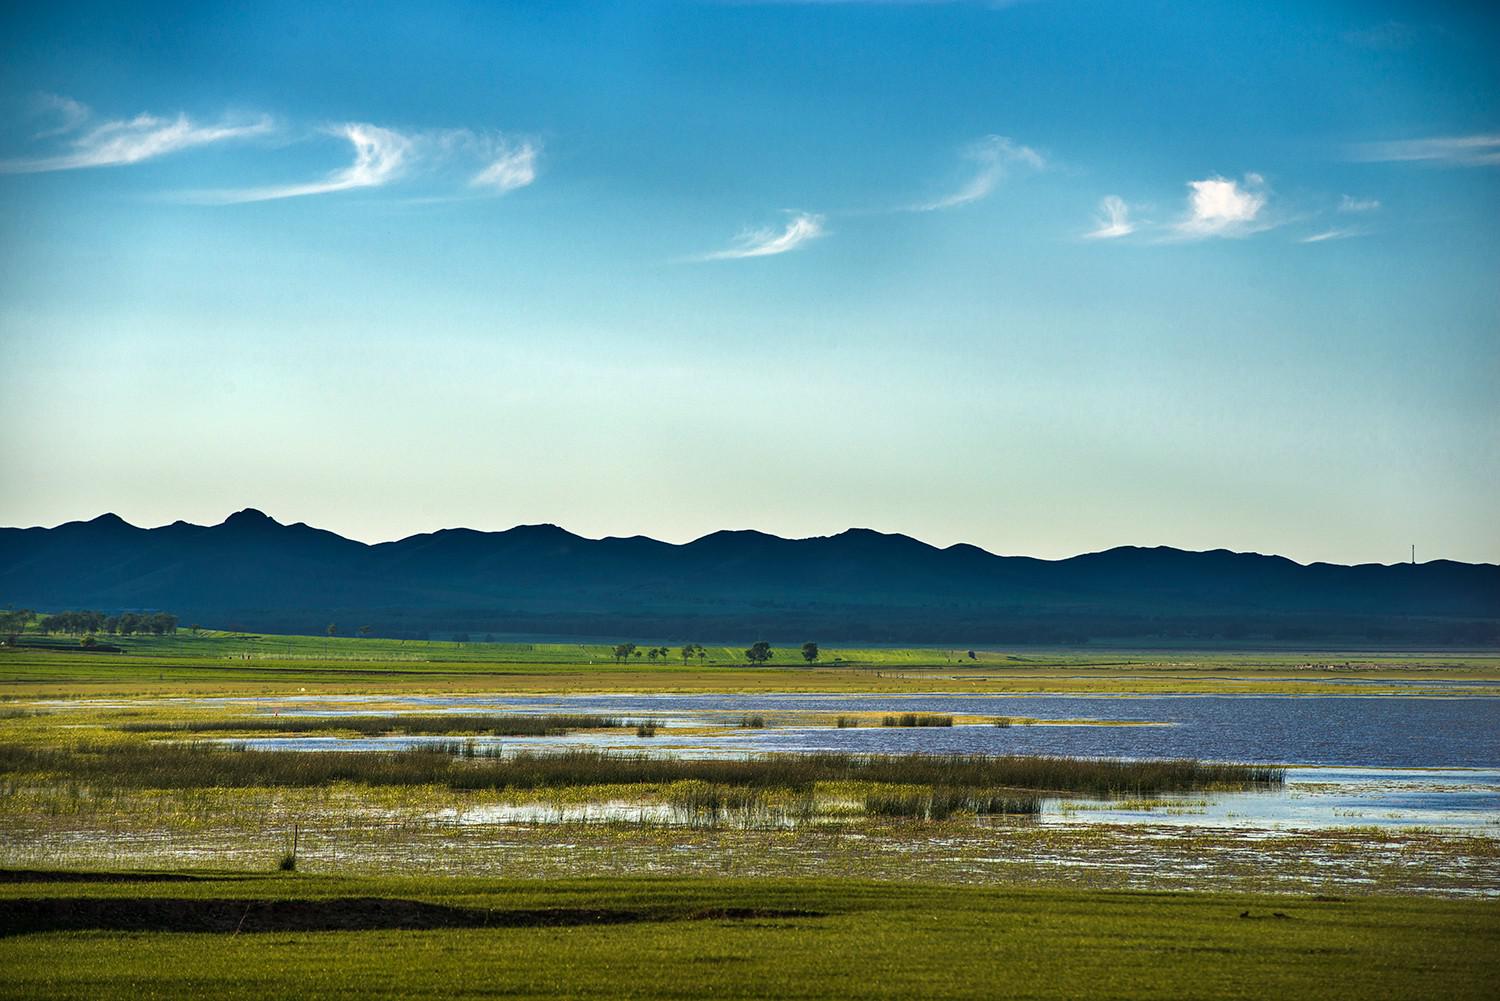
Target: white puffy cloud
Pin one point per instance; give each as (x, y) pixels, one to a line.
(1221, 207)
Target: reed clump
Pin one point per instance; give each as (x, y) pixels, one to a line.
(846, 722)
(940, 803)
(917, 719)
(752, 722)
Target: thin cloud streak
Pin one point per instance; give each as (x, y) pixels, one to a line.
(1113, 221)
(1348, 203)
(995, 155)
(1481, 150)
(804, 226)
(1332, 234)
(127, 141)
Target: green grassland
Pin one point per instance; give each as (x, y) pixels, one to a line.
(675, 938)
(214, 662)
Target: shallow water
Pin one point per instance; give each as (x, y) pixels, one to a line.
(1355, 731)
(1453, 800)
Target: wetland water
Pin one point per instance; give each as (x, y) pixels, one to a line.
(1357, 761)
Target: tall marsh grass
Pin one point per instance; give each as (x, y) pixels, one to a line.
(374, 726)
(464, 765)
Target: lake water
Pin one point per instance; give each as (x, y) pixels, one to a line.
(1357, 761)
(1359, 731)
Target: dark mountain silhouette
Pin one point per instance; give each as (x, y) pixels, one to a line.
(255, 573)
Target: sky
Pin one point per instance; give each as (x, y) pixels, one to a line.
(1046, 277)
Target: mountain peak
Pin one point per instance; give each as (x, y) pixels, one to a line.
(249, 518)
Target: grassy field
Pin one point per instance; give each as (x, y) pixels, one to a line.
(243, 663)
(255, 936)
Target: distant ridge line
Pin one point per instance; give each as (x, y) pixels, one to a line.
(858, 585)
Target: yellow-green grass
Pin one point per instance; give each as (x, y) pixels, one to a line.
(695, 938)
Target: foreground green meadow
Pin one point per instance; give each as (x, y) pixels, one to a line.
(734, 939)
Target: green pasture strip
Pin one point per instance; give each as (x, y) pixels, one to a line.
(831, 939)
(68, 673)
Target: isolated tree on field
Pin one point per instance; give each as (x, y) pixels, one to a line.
(702, 654)
(759, 653)
(333, 629)
(809, 652)
(973, 655)
(651, 655)
(364, 631)
(623, 651)
(686, 651)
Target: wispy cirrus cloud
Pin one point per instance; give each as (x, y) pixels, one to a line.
(124, 141)
(1113, 220)
(383, 156)
(1479, 150)
(995, 156)
(510, 168)
(1218, 206)
(67, 114)
(1348, 203)
(802, 227)
(380, 155)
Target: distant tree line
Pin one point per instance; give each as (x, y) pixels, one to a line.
(758, 653)
(125, 624)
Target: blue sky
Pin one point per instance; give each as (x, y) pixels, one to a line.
(1046, 276)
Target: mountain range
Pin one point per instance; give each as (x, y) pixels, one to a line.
(253, 572)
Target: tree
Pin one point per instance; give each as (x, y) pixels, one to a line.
(333, 629)
(623, 651)
(973, 655)
(759, 653)
(651, 655)
(687, 652)
(13, 624)
(364, 631)
(809, 652)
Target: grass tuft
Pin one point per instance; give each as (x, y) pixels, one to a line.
(917, 719)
